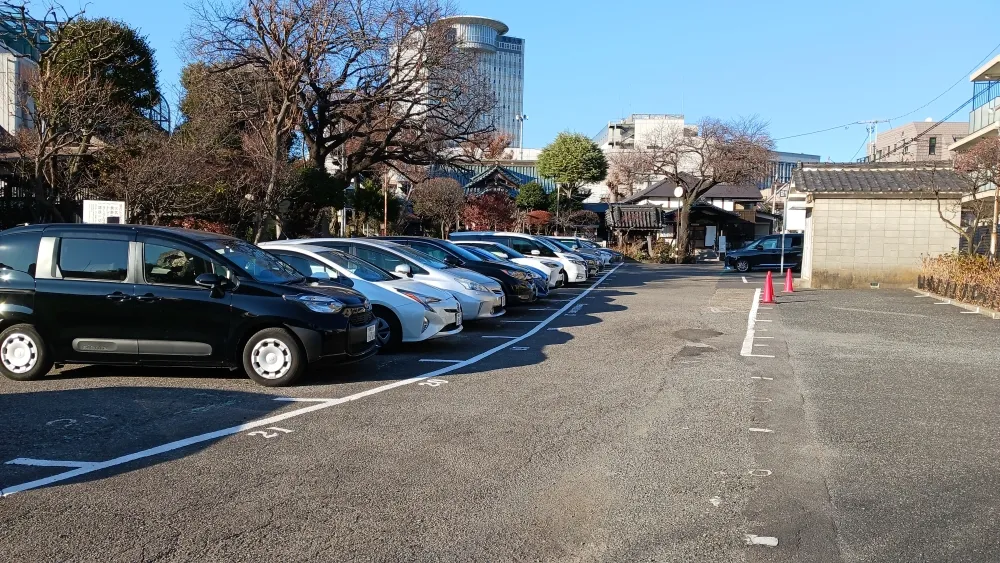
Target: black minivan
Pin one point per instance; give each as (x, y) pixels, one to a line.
(128, 294)
(765, 253)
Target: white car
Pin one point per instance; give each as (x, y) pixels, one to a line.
(574, 265)
(549, 265)
(481, 297)
(407, 310)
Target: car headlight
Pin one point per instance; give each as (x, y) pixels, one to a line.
(579, 263)
(551, 265)
(424, 300)
(517, 274)
(473, 286)
(318, 303)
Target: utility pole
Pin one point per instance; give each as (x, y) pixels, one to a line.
(385, 207)
(520, 118)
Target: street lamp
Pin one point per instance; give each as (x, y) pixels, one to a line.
(520, 119)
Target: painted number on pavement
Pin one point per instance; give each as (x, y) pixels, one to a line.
(265, 434)
(433, 382)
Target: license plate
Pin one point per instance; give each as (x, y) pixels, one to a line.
(503, 300)
(371, 333)
(458, 319)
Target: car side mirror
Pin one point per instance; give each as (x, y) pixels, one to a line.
(214, 282)
(536, 253)
(503, 255)
(320, 276)
(403, 270)
(452, 261)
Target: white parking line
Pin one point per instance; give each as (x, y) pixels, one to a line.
(768, 541)
(48, 462)
(751, 323)
(264, 422)
(745, 279)
(764, 430)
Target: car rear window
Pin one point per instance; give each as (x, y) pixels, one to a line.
(19, 251)
(93, 259)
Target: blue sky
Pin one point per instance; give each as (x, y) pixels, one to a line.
(802, 66)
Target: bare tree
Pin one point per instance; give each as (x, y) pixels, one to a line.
(719, 152)
(981, 165)
(488, 146)
(393, 88)
(440, 200)
(68, 102)
(627, 168)
(268, 47)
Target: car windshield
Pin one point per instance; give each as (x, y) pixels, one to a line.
(465, 253)
(483, 255)
(356, 266)
(415, 255)
(261, 265)
(560, 245)
(508, 250)
(548, 244)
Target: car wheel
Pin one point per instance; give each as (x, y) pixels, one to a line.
(389, 331)
(23, 356)
(565, 278)
(273, 358)
(742, 265)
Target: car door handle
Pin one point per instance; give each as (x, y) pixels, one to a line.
(148, 298)
(117, 296)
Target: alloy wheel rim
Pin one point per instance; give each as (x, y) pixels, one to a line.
(19, 353)
(383, 332)
(742, 265)
(271, 358)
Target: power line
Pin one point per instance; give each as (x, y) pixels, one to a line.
(938, 97)
(952, 87)
(863, 144)
(907, 143)
(846, 125)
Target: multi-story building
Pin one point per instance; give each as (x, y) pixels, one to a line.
(501, 58)
(643, 130)
(638, 130)
(918, 141)
(983, 121)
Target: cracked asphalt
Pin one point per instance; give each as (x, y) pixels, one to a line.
(619, 431)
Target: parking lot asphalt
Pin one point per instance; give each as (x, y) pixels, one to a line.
(633, 419)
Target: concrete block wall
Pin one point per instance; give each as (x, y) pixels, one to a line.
(857, 241)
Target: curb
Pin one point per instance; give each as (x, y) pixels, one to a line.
(971, 308)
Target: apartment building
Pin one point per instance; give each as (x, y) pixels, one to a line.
(921, 141)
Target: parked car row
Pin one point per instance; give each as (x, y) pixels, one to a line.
(124, 294)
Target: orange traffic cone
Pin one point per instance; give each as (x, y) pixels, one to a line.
(789, 288)
(768, 296)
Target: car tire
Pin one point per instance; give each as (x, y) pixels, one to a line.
(389, 331)
(742, 265)
(565, 278)
(273, 358)
(23, 354)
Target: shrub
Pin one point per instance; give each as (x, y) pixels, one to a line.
(966, 277)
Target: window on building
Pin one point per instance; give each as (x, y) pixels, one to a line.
(932, 145)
